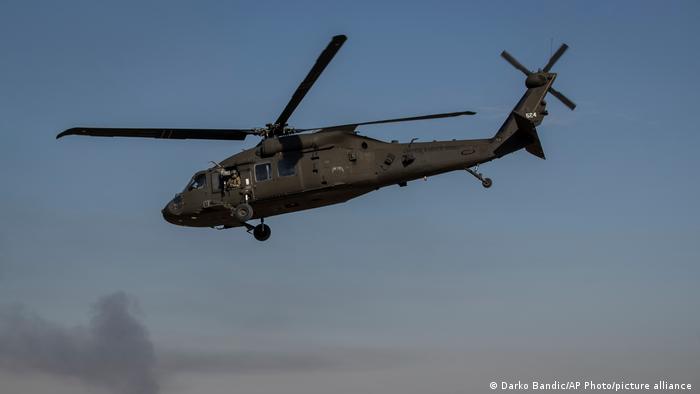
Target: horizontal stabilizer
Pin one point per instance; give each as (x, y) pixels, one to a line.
(524, 136)
(526, 126)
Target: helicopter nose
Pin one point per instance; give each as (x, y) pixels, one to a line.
(173, 209)
(168, 215)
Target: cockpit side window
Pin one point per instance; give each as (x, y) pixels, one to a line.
(198, 182)
(263, 172)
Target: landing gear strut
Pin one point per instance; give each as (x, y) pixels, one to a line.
(261, 232)
(485, 182)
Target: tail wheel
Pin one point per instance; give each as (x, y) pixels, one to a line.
(262, 232)
(485, 182)
(243, 212)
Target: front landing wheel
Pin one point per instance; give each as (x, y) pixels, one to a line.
(262, 232)
(487, 182)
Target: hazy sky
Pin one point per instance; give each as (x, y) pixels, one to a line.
(583, 266)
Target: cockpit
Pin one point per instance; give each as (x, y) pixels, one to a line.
(174, 211)
(205, 189)
(199, 181)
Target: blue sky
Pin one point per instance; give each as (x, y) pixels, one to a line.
(594, 249)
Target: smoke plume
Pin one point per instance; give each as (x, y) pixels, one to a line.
(114, 351)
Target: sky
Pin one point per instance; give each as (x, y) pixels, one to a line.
(583, 266)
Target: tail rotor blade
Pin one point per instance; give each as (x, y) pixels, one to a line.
(555, 57)
(565, 100)
(510, 59)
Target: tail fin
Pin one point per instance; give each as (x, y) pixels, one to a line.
(518, 131)
(523, 136)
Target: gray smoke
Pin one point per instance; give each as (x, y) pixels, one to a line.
(114, 351)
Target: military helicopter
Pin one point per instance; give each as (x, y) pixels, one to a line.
(297, 169)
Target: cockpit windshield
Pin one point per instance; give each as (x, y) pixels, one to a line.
(197, 182)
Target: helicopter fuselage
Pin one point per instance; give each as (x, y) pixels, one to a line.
(299, 172)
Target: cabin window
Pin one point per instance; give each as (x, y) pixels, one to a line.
(263, 172)
(286, 167)
(198, 182)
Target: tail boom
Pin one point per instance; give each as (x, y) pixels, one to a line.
(518, 131)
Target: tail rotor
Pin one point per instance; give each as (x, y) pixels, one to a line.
(535, 79)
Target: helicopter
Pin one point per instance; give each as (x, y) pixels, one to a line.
(294, 169)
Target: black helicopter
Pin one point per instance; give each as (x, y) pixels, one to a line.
(296, 169)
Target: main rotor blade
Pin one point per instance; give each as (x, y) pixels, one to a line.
(412, 118)
(321, 63)
(555, 57)
(562, 98)
(179, 134)
(510, 59)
